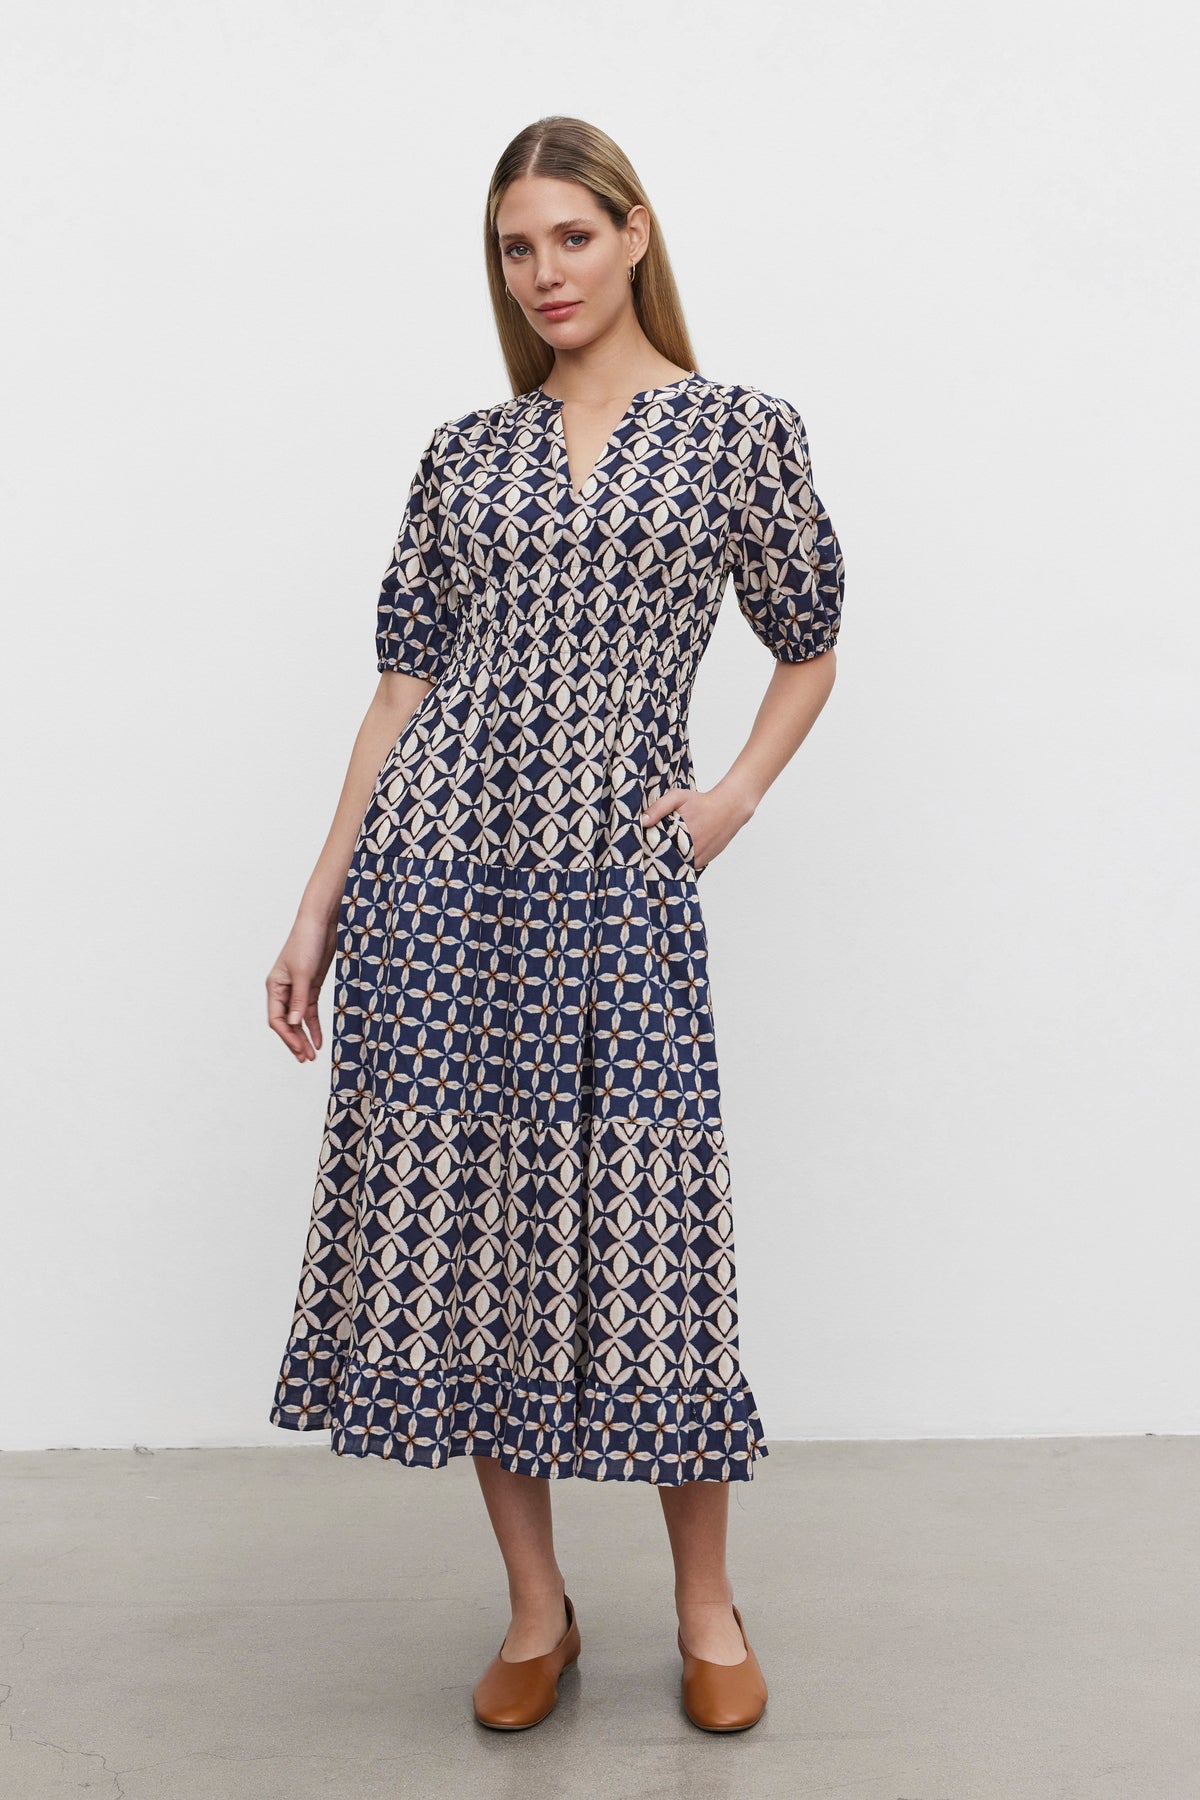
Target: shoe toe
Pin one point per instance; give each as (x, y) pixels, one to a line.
(510, 1697)
(718, 1703)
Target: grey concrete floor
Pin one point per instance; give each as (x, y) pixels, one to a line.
(956, 1620)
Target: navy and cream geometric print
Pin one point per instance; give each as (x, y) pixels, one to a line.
(521, 1238)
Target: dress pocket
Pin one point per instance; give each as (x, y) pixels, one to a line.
(686, 844)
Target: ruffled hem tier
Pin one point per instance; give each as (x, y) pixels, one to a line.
(554, 1429)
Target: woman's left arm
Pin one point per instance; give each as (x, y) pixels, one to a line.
(795, 695)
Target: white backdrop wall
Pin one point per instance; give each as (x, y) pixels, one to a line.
(954, 952)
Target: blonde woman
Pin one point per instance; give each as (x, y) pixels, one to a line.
(521, 1244)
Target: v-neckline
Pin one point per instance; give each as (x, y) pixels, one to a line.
(611, 443)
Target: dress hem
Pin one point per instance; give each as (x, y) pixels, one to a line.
(556, 1430)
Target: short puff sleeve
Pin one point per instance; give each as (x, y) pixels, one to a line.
(783, 553)
(414, 621)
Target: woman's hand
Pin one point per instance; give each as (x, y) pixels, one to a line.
(295, 982)
(713, 816)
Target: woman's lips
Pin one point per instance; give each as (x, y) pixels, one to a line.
(559, 312)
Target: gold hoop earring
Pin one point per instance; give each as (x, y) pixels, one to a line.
(632, 267)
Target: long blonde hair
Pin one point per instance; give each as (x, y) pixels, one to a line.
(572, 150)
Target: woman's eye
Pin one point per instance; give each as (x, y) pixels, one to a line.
(512, 248)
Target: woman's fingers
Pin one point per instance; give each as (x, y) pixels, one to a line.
(673, 801)
(302, 1011)
(314, 1024)
(289, 1002)
(664, 803)
(294, 984)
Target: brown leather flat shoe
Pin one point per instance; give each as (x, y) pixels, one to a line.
(511, 1695)
(723, 1696)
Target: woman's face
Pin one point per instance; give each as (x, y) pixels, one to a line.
(564, 260)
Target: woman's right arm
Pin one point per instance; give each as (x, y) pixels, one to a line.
(295, 980)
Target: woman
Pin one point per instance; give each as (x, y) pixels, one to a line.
(521, 1245)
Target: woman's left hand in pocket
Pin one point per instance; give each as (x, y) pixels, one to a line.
(713, 816)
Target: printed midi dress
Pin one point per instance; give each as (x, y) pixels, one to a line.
(521, 1238)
